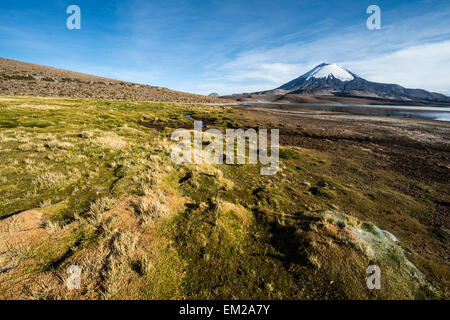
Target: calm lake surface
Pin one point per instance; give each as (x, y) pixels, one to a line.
(418, 112)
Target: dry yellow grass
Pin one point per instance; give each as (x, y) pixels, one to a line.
(141, 227)
(149, 208)
(110, 140)
(50, 180)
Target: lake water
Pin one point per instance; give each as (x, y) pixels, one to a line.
(418, 112)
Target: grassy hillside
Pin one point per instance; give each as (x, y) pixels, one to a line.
(21, 78)
(91, 183)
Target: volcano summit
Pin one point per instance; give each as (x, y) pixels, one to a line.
(332, 79)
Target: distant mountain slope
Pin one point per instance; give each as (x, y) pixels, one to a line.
(332, 79)
(21, 78)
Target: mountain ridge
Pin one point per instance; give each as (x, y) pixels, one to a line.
(332, 79)
(29, 79)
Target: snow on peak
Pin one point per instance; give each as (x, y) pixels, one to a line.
(326, 70)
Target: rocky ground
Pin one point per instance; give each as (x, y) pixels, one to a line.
(20, 78)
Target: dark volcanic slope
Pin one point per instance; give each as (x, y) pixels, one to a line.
(332, 79)
(21, 78)
(359, 87)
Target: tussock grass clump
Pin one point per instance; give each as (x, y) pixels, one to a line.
(237, 211)
(53, 226)
(40, 149)
(233, 221)
(86, 134)
(50, 180)
(26, 147)
(150, 208)
(111, 262)
(125, 244)
(54, 144)
(46, 137)
(340, 219)
(101, 205)
(146, 181)
(129, 261)
(111, 140)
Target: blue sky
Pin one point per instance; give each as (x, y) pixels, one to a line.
(233, 46)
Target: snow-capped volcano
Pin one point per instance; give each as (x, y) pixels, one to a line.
(329, 76)
(332, 79)
(328, 70)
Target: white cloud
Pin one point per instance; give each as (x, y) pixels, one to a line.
(413, 52)
(425, 66)
(245, 70)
